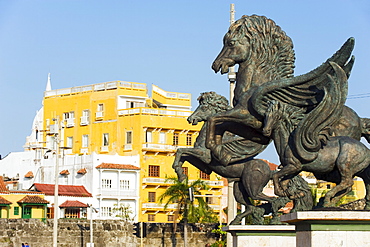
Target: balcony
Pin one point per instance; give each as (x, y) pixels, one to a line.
(127, 147)
(158, 147)
(99, 115)
(84, 120)
(118, 193)
(70, 122)
(157, 206)
(104, 149)
(155, 112)
(214, 183)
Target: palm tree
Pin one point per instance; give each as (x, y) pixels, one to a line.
(189, 211)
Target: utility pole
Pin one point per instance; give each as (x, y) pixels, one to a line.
(232, 75)
(56, 132)
(231, 203)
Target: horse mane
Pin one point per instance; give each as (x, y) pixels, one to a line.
(271, 46)
(218, 102)
(290, 115)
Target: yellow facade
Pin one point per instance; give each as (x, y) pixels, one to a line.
(16, 210)
(119, 118)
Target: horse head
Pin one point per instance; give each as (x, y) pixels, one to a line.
(279, 114)
(263, 51)
(210, 103)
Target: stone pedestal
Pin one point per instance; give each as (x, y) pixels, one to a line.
(262, 235)
(330, 228)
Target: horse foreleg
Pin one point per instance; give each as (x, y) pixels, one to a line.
(177, 164)
(285, 171)
(235, 115)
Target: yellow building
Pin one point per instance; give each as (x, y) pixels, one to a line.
(21, 204)
(119, 118)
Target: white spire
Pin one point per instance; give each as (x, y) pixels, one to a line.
(48, 84)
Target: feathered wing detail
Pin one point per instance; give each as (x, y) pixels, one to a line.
(314, 128)
(320, 93)
(306, 90)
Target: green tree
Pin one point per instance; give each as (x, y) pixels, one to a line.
(196, 211)
(122, 211)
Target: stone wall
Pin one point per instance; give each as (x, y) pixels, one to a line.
(107, 233)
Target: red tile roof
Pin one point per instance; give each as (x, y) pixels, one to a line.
(73, 204)
(117, 166)
(82, 171)
(33, 199)
(3, 188)
(29, 174)
(4, 201)
(272, 166)
(63, 190)
(64, 172)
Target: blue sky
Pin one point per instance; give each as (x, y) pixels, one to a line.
(168, 43)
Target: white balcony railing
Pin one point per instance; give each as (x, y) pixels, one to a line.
(84, 120)
(127, 147)
(119, 193)
(215, 183)
(70, 122)
(155, 146)
(97, 87)
(99, 114)
(151, 111)
(155, 180)
(158, 206)
(104, 149)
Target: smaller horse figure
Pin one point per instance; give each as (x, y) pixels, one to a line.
(340, 155)
(250, 175)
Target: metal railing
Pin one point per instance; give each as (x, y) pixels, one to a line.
(153, 111)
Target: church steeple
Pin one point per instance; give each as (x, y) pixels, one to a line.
(48, 84)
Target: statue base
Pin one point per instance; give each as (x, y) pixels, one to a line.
(262, 235)
(330, 228)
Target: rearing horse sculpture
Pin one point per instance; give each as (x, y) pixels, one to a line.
(250, 175)
(266, 63)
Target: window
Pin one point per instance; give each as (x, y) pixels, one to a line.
(175, 139)
(151, 217)
(209, 200)
(185, 170)
(148, 136)
(85, 117)
(69, 117)
(69, 142)
(162, 137)
(106, 211)
(100, 111)
(105, 139)
(153, 171)
(106, 183)
(151, 196)
(129, 137)
(188, 139)
(85, 141)
(100, 107)
(16, 210)
(204, 176)
(73, 213)
(50, 213)
(124, 184)
(170, 217)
